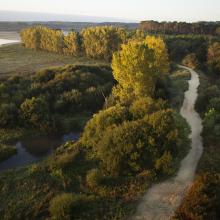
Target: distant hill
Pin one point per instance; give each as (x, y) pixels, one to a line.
(65, 26)
(38, 16)
(203, 27)
(15, 21)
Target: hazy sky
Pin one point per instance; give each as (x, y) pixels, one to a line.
(184, 10)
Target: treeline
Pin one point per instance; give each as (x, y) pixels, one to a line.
(54, 100)
(95, 42)
(210, 28)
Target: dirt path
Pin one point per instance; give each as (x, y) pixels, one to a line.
(160, 201)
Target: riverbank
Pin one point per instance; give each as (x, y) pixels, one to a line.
(6, 152)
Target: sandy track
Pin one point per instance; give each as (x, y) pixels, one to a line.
(161, 201)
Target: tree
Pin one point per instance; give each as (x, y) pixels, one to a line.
(214, 57)
(138, 65)
(102, 42)
(191, 61)
(35, 111)
(31, 37)
(72, 42)
(67, 206)
(8, 114)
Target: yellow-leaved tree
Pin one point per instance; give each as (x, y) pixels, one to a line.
(137, 67)
(160, 50)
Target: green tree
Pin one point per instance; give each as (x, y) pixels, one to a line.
(35, 111)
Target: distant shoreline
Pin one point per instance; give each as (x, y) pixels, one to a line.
(10, 35)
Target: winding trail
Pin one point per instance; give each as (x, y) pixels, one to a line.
(161, 201)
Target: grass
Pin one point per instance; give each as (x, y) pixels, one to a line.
(15, 59)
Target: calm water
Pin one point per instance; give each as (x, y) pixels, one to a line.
(33, 150)
(5, 41)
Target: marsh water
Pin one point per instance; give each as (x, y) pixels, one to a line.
(161, 200)
(32, 150)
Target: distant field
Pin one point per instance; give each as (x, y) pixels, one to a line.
(15, 59)
(10, 35)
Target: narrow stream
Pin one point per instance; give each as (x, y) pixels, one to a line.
(161, 200)
(32, 150)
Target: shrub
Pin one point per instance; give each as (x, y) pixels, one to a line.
(67, 206)
(202, 199)
(191, 61)
(93, 178)
(164, 164)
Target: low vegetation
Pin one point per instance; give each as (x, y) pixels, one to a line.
(45, 101)
(204, 194)
(18, 60)
(136, 139)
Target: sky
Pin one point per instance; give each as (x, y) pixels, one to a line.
(131, 10)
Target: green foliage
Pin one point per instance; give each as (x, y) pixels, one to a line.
(145, 106)
(164, 164)
(181, 45)
(53, 99)
(36, 112)
(164, 27)
(93, 178)
(96, 126)
(66, 206)
(8, 114)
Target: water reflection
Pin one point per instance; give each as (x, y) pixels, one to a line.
(32, 150)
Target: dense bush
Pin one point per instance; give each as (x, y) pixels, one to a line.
(214, 57)
(52, 96)
(93, 178)
(180, 46)
(67, 206)
(190, 61)
(202, 200)
(106, 40)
